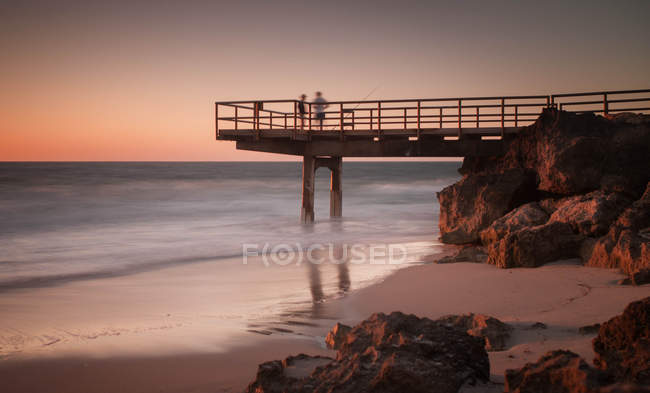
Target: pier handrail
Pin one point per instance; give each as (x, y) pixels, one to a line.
(420, 113)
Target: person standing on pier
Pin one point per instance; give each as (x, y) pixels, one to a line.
(301, 111)
(319, 107)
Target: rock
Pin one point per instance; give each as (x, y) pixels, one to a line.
(626, 245)
(641, 276)
(589, 329)
(590, 214)
(494, 332)
(538, 326)
(473, 203)
(530, 214)
(389, 353)
(556, 371)
(469, 253)
(535, 246)
(337, 336)
(623, 344)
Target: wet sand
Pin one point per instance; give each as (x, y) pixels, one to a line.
(564, 296)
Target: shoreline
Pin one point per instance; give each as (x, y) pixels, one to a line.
(563, 295)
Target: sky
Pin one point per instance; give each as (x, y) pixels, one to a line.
(137, 81)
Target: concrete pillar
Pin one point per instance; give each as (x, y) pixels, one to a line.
(336, 194)
(308, 174)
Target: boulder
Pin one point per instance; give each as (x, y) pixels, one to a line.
(495, 333)
(555, 372)
(623, 344)
(640, 277)
(389, 353)
(589, 329)
(473, 203)
(535, 246)
(590, 214)
(626, 245)
(528, 215)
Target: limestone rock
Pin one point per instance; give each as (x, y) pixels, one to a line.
(473, 203)
(556, 371)
(626, 244)
(494, 332)
(535, 246)
(623, 344)
(528, 215)
(389, 353)
(590, 214)
(641, 277)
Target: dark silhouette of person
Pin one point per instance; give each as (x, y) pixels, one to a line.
(302, 111)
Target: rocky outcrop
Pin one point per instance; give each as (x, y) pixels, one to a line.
(473, 203)
(494, 332)
(388, 353)
(627, 243)
(557, 371)
(576, 153)
(623, 344)
(563, 189)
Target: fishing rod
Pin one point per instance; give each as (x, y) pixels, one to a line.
(359, 103)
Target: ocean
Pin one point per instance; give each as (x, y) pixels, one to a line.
(75, 222)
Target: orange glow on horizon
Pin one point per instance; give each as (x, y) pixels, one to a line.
(123, 82)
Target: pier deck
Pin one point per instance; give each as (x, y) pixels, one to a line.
(426, 127)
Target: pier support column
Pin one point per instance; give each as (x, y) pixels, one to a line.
(308, 174)
(336, 194)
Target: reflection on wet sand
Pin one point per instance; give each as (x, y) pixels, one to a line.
(337, 256)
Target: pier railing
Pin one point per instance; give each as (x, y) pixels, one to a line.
(415, 115)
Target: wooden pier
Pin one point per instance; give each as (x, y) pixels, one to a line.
(431, 127)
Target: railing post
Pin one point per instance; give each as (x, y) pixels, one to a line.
(236, 116)
(295, 115)
(285, 121)
(460, 117)
(478, 122)
(503, 113)
(371, 120)
(605, 105)
(503, 117)
(378, 119)
(419, 104)
(405, 118)
(440, 117)
(309, 117)
(216, 120)
(342, 122)
(548, 102)
(516, 116)
(353, 119)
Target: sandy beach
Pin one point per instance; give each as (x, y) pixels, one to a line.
(563, 295)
